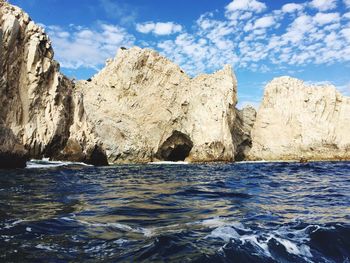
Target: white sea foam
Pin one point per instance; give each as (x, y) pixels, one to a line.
(292, 248)
(293, 240)
(225, 229)
(168, 162)
(261, 161)
(265, 161)
(45, 163)
(45, 247)
(262, 244)
(6, 238)
(112, 225)
(123, 227)
(225, 233)
(219, 221)
(13, 224)
(67, 219)
(213, 222)
(121, 241)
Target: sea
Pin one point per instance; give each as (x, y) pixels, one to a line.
(176, 212)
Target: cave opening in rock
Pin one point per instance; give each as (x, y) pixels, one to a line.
(176, 148)
(179, 153)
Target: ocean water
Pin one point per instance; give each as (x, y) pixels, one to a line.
(243, 212)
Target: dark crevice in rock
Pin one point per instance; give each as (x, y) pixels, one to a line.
(12, 160)
(242, 150)
(241, 133)
(97, 157)
(12, 152)
(176, 148)
(60, 139)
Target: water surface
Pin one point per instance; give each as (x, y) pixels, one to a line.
(244, 212)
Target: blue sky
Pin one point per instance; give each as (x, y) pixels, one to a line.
(263, 39)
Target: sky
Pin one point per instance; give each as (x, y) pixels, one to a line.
(309, 40)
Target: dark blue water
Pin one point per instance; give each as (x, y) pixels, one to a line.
(262, 212)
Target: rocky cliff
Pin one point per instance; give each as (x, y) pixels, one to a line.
(145, 108)
(36, 99)
(141, 107)
(298, 121)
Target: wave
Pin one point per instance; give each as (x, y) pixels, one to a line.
(218, 239)
(296, 242)
(122, 227)
(45, 163)
(169, 162)
(288, 243)
(155, 231)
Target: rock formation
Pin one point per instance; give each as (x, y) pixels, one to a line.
(12, 153)
(37, 101)
(82, 144)
(145, 108)
(140, 108)
(301, 122)
(243, 125)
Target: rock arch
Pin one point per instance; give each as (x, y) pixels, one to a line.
(176, 148)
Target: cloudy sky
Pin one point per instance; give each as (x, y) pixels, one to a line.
(260, 39)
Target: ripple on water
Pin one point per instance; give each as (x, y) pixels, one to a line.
(246, 212)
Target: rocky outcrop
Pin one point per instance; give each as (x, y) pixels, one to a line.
(139, 108)
(33, 94)
(243, 125)
(37, 101)
(145, 108)
(82, 144)
(301, 122)
(12, 153)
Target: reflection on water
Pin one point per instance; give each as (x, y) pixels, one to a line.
(224, 212)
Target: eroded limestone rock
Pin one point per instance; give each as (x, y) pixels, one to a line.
(301, 122)
(145, 108)
(36, 99)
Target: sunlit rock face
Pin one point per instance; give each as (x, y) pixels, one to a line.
(36, 99)
(141, 107)
(145, 108)
(297, 121)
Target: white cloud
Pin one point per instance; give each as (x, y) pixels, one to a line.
(245, 37)
(241, 10)
(246, 5)
(347, 3)
(248, 39)
(346, 33)
(159, 28)
(297, 29)
(324, 5)
(145, 28)
(87, 47)
(197, 54)
(292, 7)
(263, 22)
(326, 18)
